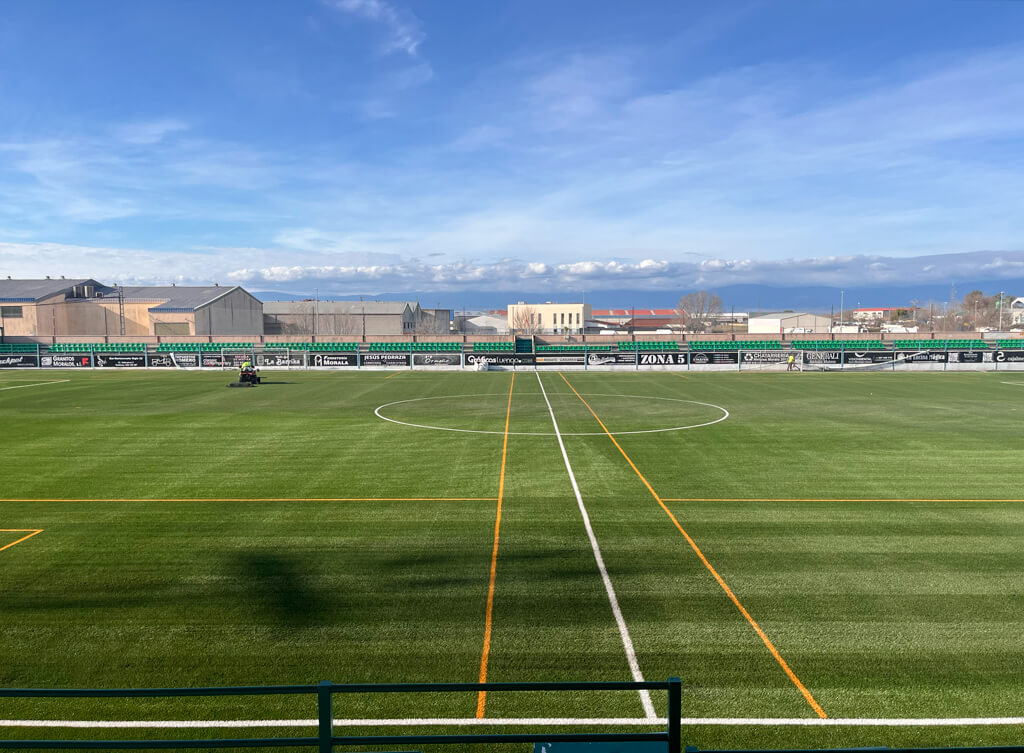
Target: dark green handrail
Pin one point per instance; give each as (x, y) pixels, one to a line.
(325, 739)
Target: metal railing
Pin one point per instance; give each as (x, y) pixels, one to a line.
(325, 739)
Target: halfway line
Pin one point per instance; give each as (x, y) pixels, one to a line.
(693, 545)
(627, 642)
(481, 699)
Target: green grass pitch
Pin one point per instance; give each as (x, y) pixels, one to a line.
(193, 535)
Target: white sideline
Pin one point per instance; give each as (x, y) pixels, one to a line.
(522, 722)
(627, 642)
(36, 384)
(1015, 384)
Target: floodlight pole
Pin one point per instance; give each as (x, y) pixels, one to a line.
(1001, 294)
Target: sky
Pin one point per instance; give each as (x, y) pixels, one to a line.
(359, 146)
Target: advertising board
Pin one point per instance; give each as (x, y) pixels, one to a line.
(282, 358)
(59, 361)
(120, 360)
(867, 356)
(333, 360)
(19, 361)
(765, 356)
(386, 359)
(500, 359)
(1009, 356)
(436, 359)
(822, 356)
(702, 358)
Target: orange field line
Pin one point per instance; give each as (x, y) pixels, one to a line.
(264, 499)
(481, 699)
(33, 532)
(826, 499)
(721, 581)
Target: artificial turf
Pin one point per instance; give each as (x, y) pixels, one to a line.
(869, 523)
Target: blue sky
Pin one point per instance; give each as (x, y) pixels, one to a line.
(359, 146)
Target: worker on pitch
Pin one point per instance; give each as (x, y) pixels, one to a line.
(789, 362)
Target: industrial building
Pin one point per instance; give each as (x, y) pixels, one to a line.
(357, 318)
(788, 322)
(85, 307)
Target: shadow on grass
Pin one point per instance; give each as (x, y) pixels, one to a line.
(279, 590)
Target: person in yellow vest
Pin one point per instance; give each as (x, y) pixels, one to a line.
(789, 362)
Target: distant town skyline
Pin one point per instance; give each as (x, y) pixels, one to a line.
(370, 146)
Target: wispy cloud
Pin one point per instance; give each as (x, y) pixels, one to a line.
(404, 32)
(150, 131)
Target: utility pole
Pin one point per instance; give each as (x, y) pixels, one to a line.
(1001, 294)
(842, 293)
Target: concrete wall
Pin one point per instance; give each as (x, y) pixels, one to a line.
(23, 326)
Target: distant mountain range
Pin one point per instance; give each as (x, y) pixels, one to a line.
(749, 298)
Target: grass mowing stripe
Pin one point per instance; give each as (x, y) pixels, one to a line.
(34, 532)
(481, 699)
(267, 499)
(401, 722)
(693, 545)
(985, 721)
(824, 499)
(627, 641)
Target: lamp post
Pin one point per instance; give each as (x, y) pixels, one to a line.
(1001, 294)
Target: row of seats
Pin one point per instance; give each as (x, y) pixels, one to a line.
(206, 347)
(731, 345)
(316, 347)
(494, 347)
(18, 347)
(1016, 343)
(98, 347)
(941, 344)
(648, 345)
(838, 344)
(416, 347)
(571, 348)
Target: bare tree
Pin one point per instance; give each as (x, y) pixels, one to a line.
(696, 310)
(526, 321)
(980, 309)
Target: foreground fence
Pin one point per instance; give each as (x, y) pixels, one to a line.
(325, 739)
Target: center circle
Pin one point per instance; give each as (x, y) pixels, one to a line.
(720, 415)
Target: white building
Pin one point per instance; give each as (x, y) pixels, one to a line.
(1016, 312)
(788, 322)
(548, 318)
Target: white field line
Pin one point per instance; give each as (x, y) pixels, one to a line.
(522, 722)
(1015, 384)
(379, 408)
(36, 384)
(627, 642)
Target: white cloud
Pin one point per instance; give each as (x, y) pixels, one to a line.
(355, 274)
(404, 32)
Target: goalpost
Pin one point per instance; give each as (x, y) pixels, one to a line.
(233, 358)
